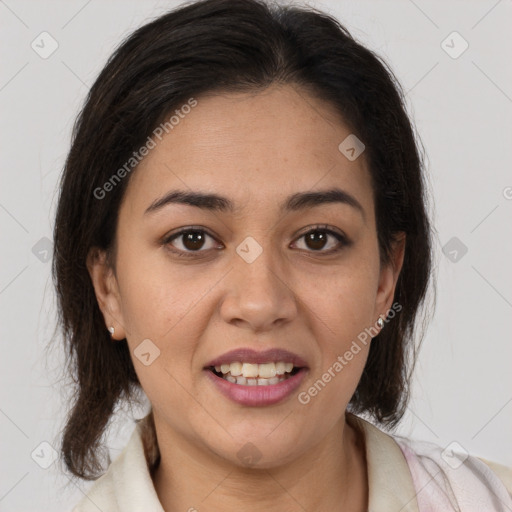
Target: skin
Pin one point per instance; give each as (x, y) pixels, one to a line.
(255, 149)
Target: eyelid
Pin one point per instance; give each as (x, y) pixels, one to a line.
(341, 237)
(167, 239)
(186, 229)
(322, 227)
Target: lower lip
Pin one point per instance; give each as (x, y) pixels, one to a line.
(257, 395)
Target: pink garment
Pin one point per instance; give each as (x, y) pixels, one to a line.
(446, 481)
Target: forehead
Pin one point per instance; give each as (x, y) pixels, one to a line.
(257, 149)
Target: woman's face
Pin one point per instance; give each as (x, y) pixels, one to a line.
(248, 278)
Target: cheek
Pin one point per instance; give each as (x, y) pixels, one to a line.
(342, 314)
(161, 308)
(341, 306)
(156, 296)
(343, 299)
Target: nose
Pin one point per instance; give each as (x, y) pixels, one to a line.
(259, 295)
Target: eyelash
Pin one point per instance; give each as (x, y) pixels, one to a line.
(342, 239)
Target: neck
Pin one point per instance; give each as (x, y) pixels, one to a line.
(330, 476)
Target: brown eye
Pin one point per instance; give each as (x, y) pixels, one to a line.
(323, 241)
(193, 240)
(316, 240)
(190, 241)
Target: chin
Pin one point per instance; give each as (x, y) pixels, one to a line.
(255, 448)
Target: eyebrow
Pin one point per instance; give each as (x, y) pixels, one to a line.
(295, 202)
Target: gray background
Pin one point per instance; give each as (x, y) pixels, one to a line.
(461, 104)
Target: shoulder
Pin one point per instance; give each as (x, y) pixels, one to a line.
(127, 485)
(451, 479)
(101, 494)
(504, 472)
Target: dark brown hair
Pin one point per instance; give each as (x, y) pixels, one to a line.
(241, 46)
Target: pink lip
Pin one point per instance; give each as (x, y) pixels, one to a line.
(247, 355)
(257, 395)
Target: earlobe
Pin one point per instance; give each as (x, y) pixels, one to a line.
(107, 292)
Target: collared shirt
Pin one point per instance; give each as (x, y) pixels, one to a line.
(403, 476)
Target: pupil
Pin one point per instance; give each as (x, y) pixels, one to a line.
(193, 240)
(316, 240)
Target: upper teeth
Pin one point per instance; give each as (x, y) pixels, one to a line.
(248, 370)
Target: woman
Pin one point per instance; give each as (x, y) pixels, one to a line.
(242, 234)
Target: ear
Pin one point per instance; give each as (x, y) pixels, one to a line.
(107, 291)
(389, 276)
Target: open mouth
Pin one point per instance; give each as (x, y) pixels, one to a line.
(247, 374)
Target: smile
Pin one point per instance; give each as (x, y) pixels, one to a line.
(248, 374)
(256, 391)
(256, 378)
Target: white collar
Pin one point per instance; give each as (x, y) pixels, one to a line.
(390, 483)
(127, 486)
